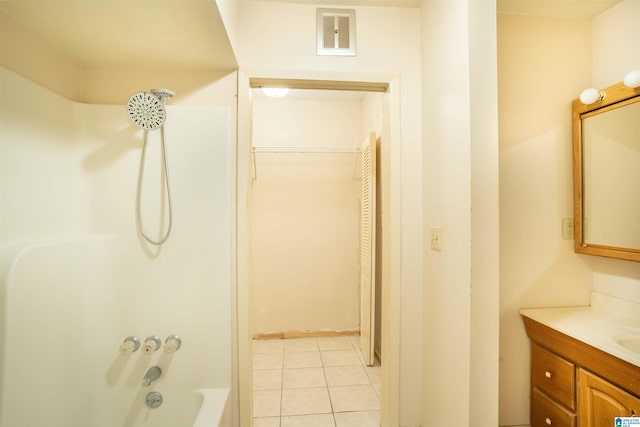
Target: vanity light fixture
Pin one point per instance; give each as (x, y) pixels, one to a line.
(591, 95)
(632, 79)
(275, 92)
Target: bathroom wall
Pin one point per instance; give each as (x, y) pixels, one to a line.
(543, 64)
(31, 57)
(278, 40)
(305, 215)
(460, 196)
(615, 52)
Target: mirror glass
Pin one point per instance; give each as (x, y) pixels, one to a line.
(607, 174)
(611, 162)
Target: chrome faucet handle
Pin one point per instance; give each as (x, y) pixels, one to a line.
(151, 344)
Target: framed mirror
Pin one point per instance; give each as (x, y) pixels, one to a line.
(606, 174)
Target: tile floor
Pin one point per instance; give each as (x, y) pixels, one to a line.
(314, 382)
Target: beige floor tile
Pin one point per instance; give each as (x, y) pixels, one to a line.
(307, 359)
(301, 344)
(267, 361)
(305, 401)
(374, 373)
(358, 419)
(340, 358)
(303, 378)
(346, 375)
(354, 398)
(266, 403)
(267, 379)
(266, 422)
(335, 343)
(317, 420)
(267, 346)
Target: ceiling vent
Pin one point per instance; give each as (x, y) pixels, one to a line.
(336, 32)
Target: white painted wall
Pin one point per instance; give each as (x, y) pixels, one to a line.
(305, 215)
(278, 40)
(615, 52)
(543, 64)
(460, 196)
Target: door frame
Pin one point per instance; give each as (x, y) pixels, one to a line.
(391, 226)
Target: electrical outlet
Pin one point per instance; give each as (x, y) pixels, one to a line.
(567, 228)
(436, 238)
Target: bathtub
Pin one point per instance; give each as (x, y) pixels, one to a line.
(65, 307)
(215, 409)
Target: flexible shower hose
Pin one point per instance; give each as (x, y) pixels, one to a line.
(139, 191)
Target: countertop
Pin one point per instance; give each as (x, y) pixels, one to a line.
(591, 325)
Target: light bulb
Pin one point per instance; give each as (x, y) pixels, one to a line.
(632, 79)
(591, 95)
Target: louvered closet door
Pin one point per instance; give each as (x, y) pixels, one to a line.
(368, 249)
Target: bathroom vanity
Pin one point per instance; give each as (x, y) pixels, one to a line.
(585, 366)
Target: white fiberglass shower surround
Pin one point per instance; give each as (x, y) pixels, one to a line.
(76, 278)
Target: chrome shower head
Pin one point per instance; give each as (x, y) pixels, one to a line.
(146, 109)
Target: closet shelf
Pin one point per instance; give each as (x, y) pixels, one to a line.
(304, 150)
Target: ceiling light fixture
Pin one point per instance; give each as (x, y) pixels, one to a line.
(632, 79)
(275, 92)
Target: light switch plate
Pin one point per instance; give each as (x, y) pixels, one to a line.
(436, 238)
(567, 228)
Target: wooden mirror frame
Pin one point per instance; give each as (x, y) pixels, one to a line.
(615, 95)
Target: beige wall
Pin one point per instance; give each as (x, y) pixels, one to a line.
(543, 64)
(31, 57)
(305, 216)
(460, 196)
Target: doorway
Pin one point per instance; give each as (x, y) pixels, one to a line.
(390, 259)
(305, 205)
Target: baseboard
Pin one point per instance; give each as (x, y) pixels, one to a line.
(306, 334)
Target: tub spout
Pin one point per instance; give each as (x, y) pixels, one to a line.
(153, 373)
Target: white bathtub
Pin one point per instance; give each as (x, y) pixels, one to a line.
(215, 409)
(62, 320)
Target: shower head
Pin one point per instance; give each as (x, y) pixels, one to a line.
(163, 94)
(146, 110)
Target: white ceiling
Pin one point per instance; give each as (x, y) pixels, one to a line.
(158, 33)
(188, 34)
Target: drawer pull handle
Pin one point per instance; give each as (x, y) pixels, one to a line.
(548, 421)
(548, 375)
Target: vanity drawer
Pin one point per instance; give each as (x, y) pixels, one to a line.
(545, 412)
(553, 375)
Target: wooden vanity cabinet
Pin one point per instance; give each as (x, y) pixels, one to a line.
(600, 401)
(576, 385)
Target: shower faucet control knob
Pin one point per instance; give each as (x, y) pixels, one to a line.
(151, 344)
(172, 344)
(129, 345)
